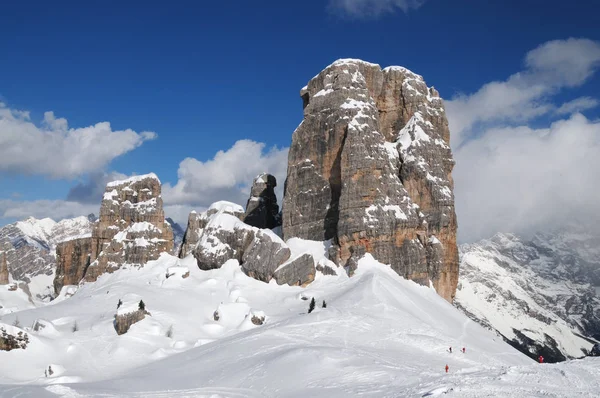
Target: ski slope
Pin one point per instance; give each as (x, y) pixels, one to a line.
(380, 336)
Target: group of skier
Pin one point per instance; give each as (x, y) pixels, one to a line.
(463, 350)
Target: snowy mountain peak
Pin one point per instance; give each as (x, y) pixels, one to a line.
(39, 232)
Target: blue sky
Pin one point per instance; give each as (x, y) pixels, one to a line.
(193, 78)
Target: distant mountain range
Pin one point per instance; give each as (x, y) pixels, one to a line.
(30, 248)
(538, 293)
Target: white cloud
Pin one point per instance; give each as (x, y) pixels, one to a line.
(55, 209)
(524, 180)
(372, 8)
(553, 66)
(53, 149)
(228, 176)
(512, 177)
(577, 105)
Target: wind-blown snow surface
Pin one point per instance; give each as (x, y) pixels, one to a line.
(380, 336)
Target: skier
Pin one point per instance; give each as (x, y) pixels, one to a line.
(464, 350)
(541, 359)
(447, 368)
(450, 350)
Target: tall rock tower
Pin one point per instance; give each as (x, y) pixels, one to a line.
(370, 168)
(131, 228)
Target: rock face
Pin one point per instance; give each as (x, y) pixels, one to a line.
(198, 221)
(297, 272)
(131, 227)
(536, 293)
(3, 269)
(262, 210)
(72, 261)
(370, 168)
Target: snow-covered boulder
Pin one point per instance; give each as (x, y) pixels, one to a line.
(198, 221)
(225, 237)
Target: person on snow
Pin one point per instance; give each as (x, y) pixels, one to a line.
(447, 368)
(464, 350)
(450, 350)
(541, 359)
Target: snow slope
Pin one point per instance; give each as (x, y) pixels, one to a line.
(380, 336)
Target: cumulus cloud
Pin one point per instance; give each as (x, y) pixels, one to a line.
(372, 8)
(55, 209)
(227, 176)
(512, 177)
(525, 95)
(54, 149)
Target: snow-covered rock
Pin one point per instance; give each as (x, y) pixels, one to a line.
(197, 222)
(225, 237)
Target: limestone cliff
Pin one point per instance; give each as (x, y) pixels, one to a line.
(370, 168)
(131, 228)
(72, 261)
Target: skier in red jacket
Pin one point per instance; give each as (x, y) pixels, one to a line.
(447, 368)
(541, 359)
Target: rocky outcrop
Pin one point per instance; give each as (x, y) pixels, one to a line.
(198, 221)
(262, 210)
(123, 321)
(131, 228)
(72, 261)
(297, 272)
(3, 269)
(225, 237)
(370, 168)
